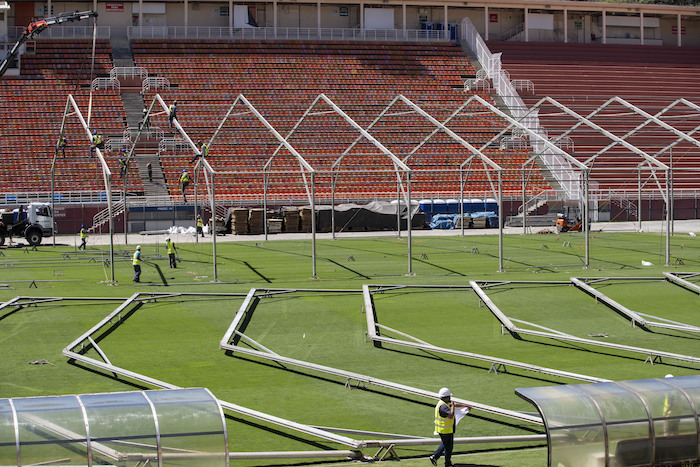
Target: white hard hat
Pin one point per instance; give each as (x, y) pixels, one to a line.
(668, 376)
(444, 392)
(138, 247)
(167, 239)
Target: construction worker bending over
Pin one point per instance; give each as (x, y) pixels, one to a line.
(83, 238)
(97, 142)
(171, 251)
(445, 426)
(137, 264)
(184, 182)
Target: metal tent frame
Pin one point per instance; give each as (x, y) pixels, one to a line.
(487, 163)
(106, 174)
(646, 159)
(400, 169)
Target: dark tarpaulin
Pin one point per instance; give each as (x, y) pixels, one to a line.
(377, 215)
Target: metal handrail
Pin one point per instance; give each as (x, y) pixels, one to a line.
(153, 132)
(558, 166)
(524, 85)
(105, 83)
(128, 72)
(512, 32)
(63, 32)
(352, 34)
(155, 83)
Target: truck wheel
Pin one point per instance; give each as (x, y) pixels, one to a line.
(33, 236)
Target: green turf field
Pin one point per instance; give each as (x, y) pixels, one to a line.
(176, 339)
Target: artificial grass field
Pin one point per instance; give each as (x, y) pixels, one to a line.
(176, 339)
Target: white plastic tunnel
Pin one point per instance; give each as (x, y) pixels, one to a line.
(159, 427)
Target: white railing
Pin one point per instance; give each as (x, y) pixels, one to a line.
(514, 143)
(128, 72)
(153, 132)
(352, 34)
(155, 82)
(513, 32)
(557, 165)
(524, 85)
(117, 144)
(566, 143)
(105, 83)
(63, 32)
(170, 144)
(476, 84)
(102, 217)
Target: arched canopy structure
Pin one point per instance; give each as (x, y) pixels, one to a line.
(166, 427)
(626, 423)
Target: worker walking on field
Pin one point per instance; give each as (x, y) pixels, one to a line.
(445, 426)
(137, 264)
(171, 252)
(83, 238)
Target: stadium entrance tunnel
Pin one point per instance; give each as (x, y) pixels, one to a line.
(621, 423)
(159, 427)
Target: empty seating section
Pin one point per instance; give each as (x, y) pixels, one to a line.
(585, 76)
(31, 111)
(281, 79)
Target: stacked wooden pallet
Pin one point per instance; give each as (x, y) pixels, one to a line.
(255, 221)
(239, 221)
(291, 220)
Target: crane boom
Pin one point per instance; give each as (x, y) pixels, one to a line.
(36, 27)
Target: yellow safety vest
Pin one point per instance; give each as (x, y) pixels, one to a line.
(83, 235)
(170, 247)
(443, 425)
(670, 408)
(185, 177)
(199, 222)
(137, 257)
(205, 150)
(97, 139)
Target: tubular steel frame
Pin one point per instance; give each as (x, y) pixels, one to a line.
(652, 355)
(75, 351)
(106, 175)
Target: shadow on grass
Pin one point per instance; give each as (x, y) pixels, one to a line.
(573, 346)
(277, 432)
(322, 377)
(108, 375)
(429, 355)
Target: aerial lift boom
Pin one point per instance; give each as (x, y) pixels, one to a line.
(36, 27)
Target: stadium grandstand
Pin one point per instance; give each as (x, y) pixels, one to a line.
(478, 101)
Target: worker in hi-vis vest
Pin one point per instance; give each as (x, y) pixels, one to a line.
(137, 264)
(171, 252)
(83, 238)
(445, 426)
(200, 226)
(671, 409)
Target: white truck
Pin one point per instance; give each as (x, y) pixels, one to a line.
(33, 223)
